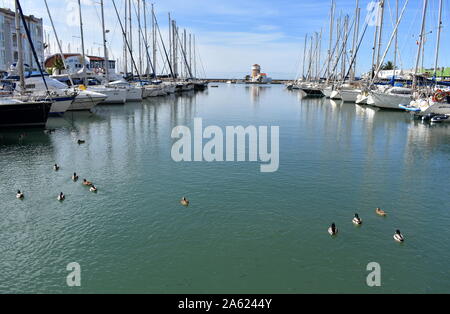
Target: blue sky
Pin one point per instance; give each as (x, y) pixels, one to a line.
(232, 35)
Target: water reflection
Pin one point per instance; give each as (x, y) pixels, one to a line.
(256, 91)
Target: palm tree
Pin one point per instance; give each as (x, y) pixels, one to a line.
(59, 65)
(387, 66)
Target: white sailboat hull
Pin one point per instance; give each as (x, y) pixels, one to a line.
(86, 100)
(113, 95)
(134, 94)
(349, 95)
(335, 95)
(389, 101)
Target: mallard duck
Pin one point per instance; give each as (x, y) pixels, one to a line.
(333, 230)
(87, 183)
(75, 177)
(56, 167)
(61, 197)
(380, 212)
(398, 236)
(19, 195)
(184, 201)
(356, 220)
(93, 189)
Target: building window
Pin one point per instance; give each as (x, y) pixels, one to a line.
(14, 39)
(16, 56)
(3, 57)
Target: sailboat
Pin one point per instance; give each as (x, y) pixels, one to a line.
(15, 112)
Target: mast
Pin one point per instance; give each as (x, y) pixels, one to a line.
(374, 49)
(355, 39)
(195, 58)
(131, 36)
(154, 38)
(20, 66)
(145, 34)
(396, 41)
(125, 52)
(331, 40)
(106, 61)
(419, 50)
(380, 34)
(304, 56)
(139, 37)
(190, 51)
(438, 41)
(61, 54)
(170, 41)
(83, 53)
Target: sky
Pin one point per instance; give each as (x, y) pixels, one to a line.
(232, 35)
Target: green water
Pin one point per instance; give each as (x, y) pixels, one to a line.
(245, 231)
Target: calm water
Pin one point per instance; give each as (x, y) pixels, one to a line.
(245, 231)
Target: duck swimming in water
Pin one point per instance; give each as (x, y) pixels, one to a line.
(61, 197)
(333, 230)
(184, 201)
(81, 142)
(19, 195)
(93, 189)
(87, 183)
(380, 212)
(357, 220)
(75, 177)
(56, 167)
(398, 236)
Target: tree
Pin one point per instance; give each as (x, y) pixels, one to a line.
(387, 66)
(59, 65)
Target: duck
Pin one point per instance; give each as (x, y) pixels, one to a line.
(81, 142)
(19, 195)
(75, 177)
(398, 236)
(184, 202)
(87, 183)
(380, 212)
(357, 220)
(61, 197)
(333, 230)
(56, 167)
(93, 189)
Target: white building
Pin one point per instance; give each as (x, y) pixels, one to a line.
(9, 53)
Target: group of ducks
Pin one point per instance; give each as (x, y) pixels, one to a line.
(61, 197)
(398, 236)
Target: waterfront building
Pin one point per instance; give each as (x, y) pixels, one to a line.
(9, 52)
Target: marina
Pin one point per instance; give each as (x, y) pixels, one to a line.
(337, 159)
(131, 164)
